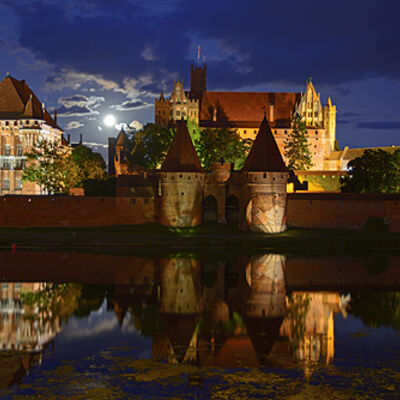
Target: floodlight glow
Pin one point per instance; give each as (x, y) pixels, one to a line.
(110, 120)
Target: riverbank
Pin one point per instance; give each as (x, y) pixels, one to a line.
(206, 237)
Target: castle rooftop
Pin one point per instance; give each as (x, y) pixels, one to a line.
(265, 154)
(182, 156)
(17, 100)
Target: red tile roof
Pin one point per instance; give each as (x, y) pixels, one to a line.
(18, 101)
(182, 156)
(264, 154)
(243, 109)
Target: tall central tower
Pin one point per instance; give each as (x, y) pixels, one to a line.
(198, 80)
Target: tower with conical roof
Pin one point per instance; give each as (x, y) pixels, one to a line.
(182, 182)
(121, 162)
(264, 185)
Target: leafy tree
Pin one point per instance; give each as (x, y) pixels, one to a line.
(90, 165)
(376, 171)
(215, 144)
(57, 169)
(49, 166)
(151, 146)
(296, 146)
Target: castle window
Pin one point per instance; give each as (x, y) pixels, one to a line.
(316, 132)
(285, 132)
(255, 131)
(265, 175)
(19, 151)
(182, 194)
(6, 184)
(172, 178)
(7, 150)
(180, 176)
(18, 185)
(244, 131)
(133, 201)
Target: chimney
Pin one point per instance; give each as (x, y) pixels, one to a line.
(271, 112)
(69, 138)
(55, 116)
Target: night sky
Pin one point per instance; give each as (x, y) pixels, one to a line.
(90, 58)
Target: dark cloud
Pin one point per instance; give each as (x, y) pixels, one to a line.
(75, 111)
(379, 125)
(245, 42)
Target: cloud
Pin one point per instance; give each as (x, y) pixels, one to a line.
(79, 105)
(75, 111)
(379, 125)
(130, 105)
(134, 126)
(96, 145)
(148, 54)
(73, 125)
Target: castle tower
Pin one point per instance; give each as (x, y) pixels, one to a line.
(264, 192)
(182, 182)
(198, 81)
(330, 123)
(121, 162)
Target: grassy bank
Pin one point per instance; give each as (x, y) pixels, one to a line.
(206, 237)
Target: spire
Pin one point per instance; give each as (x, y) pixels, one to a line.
(265, 154)
(329, 102)
(122, 140)
(162, 96)
(182, 156)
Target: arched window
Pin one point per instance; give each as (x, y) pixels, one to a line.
(232, 209)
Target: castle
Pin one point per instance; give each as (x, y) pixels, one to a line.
(186, 194)
(24, 121)
(243, 111)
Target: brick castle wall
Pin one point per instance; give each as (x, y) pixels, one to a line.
(316, 210)
(342, 210)
(74, 211)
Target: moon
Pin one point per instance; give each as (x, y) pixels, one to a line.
(109, 120)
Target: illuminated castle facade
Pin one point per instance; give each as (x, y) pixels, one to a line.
(186, 195)
(243, 111)
(24, 121)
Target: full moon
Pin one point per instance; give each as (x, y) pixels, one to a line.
(110, 120)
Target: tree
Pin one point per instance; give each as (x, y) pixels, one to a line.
(376, 171)
(90, 165)
(225, 143)
(296, 146)
(151, 146)
(49, 166)
(57, 169)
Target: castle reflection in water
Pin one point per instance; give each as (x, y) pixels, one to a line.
(211, 313)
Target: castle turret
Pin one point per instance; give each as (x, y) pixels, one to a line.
(198, 81)
(121, 162)
(330, 123)
(182, 182)
(264, 191)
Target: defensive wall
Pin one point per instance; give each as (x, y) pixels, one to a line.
(342, 210)
(75, 211)
(306, 210)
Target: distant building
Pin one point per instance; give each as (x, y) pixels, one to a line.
(24, 121)
(244, 111)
